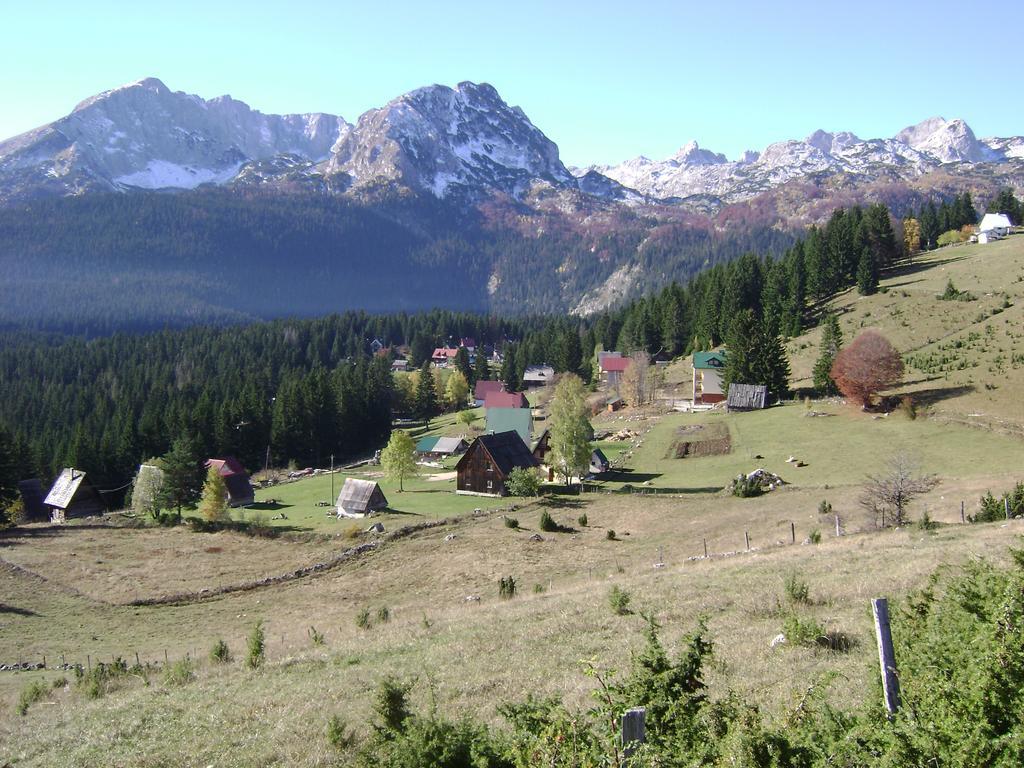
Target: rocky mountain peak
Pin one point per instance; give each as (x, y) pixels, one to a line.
(691, 154)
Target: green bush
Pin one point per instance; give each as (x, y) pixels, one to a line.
(511, 522)
(610, 534)
(582, 520)
(547, 523)
(256, 647)
(993, 509)
(800, 630)
(797, 590)
(815, 536)
(383, 614)
(745, 487)
(522, 482)
(506, 588)
(620, 600)
(31, 694)
(539, 589)
(316, 637)
(102, 678)
(824, 508)
(180, 672)
(363, 619)
(220, 653)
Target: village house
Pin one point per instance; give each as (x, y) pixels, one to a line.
(443, 355)
(599, 463)
(360, 498)
(399, 366)
(72, 495)
(441, 447)
(483, 387)
(993, 226)
(538, 376)
(707, 377)
(519, 420)
(485, 467)
(236, 480)
(612, 366)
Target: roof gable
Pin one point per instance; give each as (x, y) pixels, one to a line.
(361, 496)
(506, 450)
(484, 386)
(506, 400)
(615, 364)
(994, 221)
(65, 487)
(705, 360)
(426, 444)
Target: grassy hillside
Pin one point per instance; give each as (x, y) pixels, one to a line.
(68, 591)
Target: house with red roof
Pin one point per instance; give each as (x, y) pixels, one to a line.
(506, 400)
(612, 368)
(483, 387)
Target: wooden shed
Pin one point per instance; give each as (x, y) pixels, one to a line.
(236, 479)
(359, 498)
(72, 495)
(485, 467)
(747, 397)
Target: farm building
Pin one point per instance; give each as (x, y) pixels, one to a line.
(359, 498)
(485, 467)
(612, 368)
(425, 445)
(443, 355)
(31, 492)
(993, 226)
(240, 493)
(399, 366)
(483, 388)
(441, 447)
(538, 375)
(599, 463)
(747, 397)
(707, 377)
(504, 419)
(506, 400)
(72, 495)
(614, 403)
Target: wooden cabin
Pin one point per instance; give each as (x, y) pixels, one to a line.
(485, 467)
(72, 495)
(360, 498)
(747, 397)
(236, 480)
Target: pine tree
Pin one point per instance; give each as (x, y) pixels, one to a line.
(739, 350)
(426, 394)
(831, 342)
(481, 370)
(182, 475)
(867, 273)
(462, 365)
(771, 366)
(213, 506)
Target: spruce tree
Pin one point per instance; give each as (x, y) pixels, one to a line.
(771, 366)
(481, 370)
(182, 475)
(426, 394)
(463, 366)
(867, 273)
(831, 342)
(739, 350)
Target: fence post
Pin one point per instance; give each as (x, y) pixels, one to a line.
(792, 532)
(1006, 507)
(705, 549)
(634, 731)
(886, 657)
(746, 539)
(963, 519)
(839, 531)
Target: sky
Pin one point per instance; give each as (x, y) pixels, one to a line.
(606, 81)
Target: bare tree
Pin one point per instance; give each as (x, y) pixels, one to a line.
(634, 384)
(892, 491)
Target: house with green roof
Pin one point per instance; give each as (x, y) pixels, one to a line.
(708, 386)
(426, 444)
(511, 419)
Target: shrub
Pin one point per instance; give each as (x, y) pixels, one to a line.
(547, 523)
(797, 590)
(815, 536)
(180, 672)
(746, 487)
(824, 508)
(338, 735)
(993, 509)
(539, 589)
(511, 522)
(101, 679)
(582, 520)
(256, 647)
(506, 588)
(220, 653)
(392, 705)
(803, 631)
(316, 637)
(619, 599)
(610, 535)
(383, 614)
(32, 693)
(926, 523)
(363, 619)
(522, 482)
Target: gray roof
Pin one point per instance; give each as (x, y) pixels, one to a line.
(747, 397)
(361, 496)
(449, 445)
(64, 488)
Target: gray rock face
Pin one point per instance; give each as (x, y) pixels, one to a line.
(143, 135)
(443, 140)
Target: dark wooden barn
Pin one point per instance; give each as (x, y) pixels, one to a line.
(359, 498)
(236, 479)
(485, 467)
(72, 495)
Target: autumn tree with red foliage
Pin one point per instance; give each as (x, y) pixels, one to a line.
(869, 365)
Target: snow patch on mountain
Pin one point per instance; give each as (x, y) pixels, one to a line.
(160, 174)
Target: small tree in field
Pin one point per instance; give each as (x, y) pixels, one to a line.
(214, 503)
(467, 417)
(866, 367)
(399, 457)
(888, 494)
(570, 428)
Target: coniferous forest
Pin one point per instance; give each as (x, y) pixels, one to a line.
(303, 390)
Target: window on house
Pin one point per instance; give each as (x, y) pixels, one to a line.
(490, 485)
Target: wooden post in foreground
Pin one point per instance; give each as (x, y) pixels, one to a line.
(1006, 507)
(963, 518)
(792, 532)
(705, 549)
(886, 657)
(746, 539)
(634, 730)
(839, 531)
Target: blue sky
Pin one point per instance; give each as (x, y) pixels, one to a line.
(605, 80)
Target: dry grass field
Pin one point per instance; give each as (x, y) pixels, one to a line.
(66, 591)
